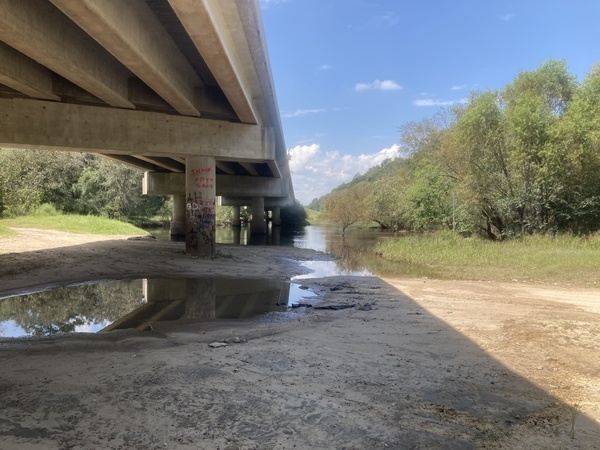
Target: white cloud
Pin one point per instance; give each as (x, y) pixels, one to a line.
(507, 17)
(316, 173)
(459, 87)
(300, 113)
(378, 85)
(325, 67)
(436, 102)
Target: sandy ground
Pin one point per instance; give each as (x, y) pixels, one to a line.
(432, 364)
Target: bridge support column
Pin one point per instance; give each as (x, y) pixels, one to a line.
(276, 216)
(178, 222)
(200, 188)
(236, 222)
(258, 225)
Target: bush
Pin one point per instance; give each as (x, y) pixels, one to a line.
(45, 209)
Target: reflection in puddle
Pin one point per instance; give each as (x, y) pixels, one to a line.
(71, 309)
(321, 269)
(113, 305)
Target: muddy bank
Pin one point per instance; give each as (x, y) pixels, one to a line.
(453, 365)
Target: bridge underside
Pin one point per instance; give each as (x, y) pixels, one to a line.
(179, 88)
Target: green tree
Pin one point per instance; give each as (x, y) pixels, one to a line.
(430, 196)
(72, 183)
(29, 178)
(581, 140)
(114, 190)
(347, 206)
(388, 202)
(293, 215)
(484, 167)
(535, 104)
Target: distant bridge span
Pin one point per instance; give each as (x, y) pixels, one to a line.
(180, 88)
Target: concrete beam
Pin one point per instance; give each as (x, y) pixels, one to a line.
(205, 24)
(164, 163)
(131, 33)
(248, 167)
(38, 124)
(224, 168)
(158, 183)
(24, 75)
(270, 202)
(44, 34)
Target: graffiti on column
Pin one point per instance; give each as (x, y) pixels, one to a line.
(203, 178)
(201, 220)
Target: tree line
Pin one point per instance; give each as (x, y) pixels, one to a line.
(81, 183)
(74, 183)
(521, 160)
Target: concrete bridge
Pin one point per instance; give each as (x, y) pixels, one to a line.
(180, 88)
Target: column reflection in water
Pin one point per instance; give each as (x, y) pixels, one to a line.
(203, 299)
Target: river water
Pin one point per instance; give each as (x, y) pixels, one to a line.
(94, 306)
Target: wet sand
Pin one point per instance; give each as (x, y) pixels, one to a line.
(428, 364)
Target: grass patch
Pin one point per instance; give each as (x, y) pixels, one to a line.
(5, 231)
(72, 223)
(562, 259)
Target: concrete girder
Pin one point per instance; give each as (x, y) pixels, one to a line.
(24, 75)
(249, 168)
(44, 34)
(256, 56)
(131, 33)
(224, 168)
(132, 161)
(205, 24)
(60, 126)
(159, 183)
(164, 163)
(270, 202)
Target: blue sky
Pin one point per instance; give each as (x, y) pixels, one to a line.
(349, 73)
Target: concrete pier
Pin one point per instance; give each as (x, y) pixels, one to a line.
(177, 227)
(276, 220)
(258, 224)
(200, 186)
(236, 221)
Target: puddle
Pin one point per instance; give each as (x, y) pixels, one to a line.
(111, 305)
(118, 304)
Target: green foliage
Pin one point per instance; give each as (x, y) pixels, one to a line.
(293, 215)
(388, 202)
(312, 216)
(62, 309)
(520, 161)
(315, 205)
(430, 197)
(73, 183)
(347, 206)
(29, 178)
(224, 215)
(45, 209)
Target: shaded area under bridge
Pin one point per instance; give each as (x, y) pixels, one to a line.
(180, 88)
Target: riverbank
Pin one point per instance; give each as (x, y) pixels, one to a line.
(415, 363)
